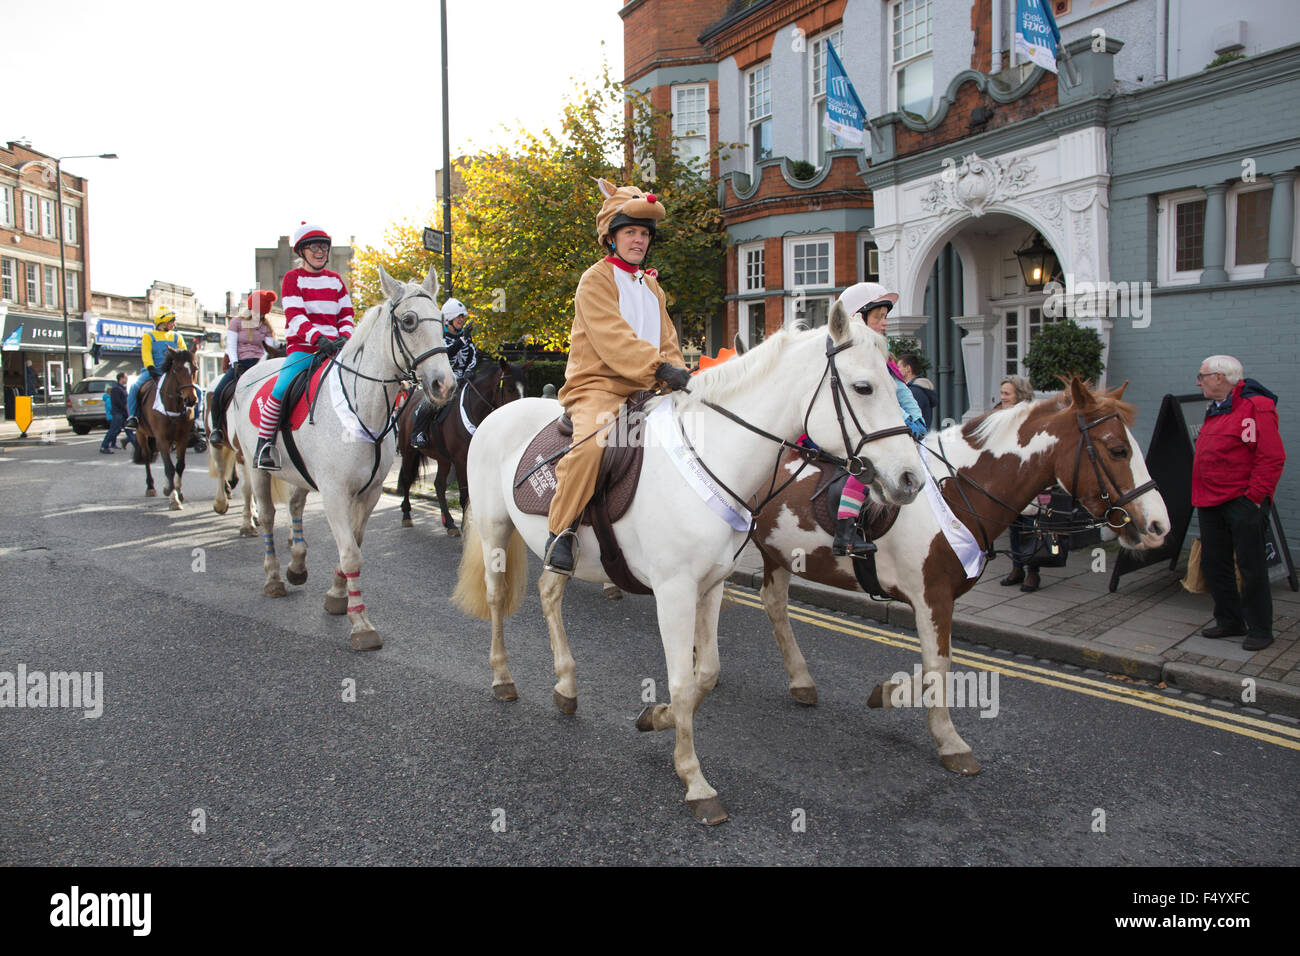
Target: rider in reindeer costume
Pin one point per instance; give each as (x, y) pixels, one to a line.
(317, 318)
(622, 342)
(153, 352)
(463, 357)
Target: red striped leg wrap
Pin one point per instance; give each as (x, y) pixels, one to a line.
(354, 595)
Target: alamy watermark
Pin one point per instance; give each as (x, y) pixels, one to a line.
(1085, 300)
(78, 690)
(955, 689)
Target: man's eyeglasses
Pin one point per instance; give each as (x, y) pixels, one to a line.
(1200, 376)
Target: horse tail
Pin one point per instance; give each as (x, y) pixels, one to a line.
(471, 585)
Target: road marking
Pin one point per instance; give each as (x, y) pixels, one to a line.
(1233, 722)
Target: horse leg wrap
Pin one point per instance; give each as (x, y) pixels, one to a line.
(358, 607)
(297, 532)
(270, 543)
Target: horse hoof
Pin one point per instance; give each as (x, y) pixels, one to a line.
(805, 695)
(408, 523)
(708, 811)
(453, 532)
(151, 493)
(566, 705)
(366, 641)
(335, 605)
(877, 698)
(274, 589)
(645, 720)
(296, 577)
(505, 692)
(175, 506)
(964, 764)
(613, 592)
(248, 532)
(220, 507)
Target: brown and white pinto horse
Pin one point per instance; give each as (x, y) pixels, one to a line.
(1079, 440)
(163, 431)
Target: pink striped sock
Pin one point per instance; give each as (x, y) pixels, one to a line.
(270, 418)
(852, 498)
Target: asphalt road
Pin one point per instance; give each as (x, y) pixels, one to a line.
(218, 699)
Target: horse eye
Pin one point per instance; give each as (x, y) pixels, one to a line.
(1120, 452)
(409, 321)
(863, 388)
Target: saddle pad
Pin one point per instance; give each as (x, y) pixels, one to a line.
(875, 519)
(620, 472)
(298, 399)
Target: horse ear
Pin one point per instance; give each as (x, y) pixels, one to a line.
(1118, 393)
(838, 326)
(1080, 394)
(738, 344)
(392, 288)
(430, 284)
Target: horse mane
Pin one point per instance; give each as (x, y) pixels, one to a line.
(719, 382)
(999, 426)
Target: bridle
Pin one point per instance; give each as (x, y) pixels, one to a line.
(861, 468)
(1099, 469)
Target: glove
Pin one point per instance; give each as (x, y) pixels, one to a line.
(673, 376)
(330, 346)
(917, 428)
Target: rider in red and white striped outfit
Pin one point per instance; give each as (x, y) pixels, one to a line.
(318, 318)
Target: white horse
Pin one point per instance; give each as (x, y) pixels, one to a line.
(398, 341)
(673, 542)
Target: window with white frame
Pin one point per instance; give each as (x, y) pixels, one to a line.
(750, 260)
(1180, 231)
(51, 287)
(70, 225)
(911, 30)
(759, 113)
(29, 212)
(810, 311)
(8, 280)
(1248, 216)
(6, 206)
(70, 290)
(47, 218)
(823, 139)
(691, 121)
(810, 263)
(33, 283)
(752, 322)
(1021, 325)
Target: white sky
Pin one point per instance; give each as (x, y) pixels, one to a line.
(234, 120)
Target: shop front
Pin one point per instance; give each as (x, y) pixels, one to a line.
(33, 351)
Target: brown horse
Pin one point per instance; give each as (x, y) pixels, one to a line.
(450, 434)
(1079, 440)
(170, 428)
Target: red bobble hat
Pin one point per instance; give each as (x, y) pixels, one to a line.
(306, 233)
(260, 302)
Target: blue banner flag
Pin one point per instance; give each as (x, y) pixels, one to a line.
(845, 115)
(1037, 38)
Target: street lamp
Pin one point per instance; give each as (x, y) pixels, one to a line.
(63, 263)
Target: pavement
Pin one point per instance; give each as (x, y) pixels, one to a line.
(1147, 630)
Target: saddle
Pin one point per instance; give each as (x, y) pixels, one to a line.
(299, 400)
(874, 520)
(616, 483)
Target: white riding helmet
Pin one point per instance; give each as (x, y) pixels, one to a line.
(452, 308)
(866, 295)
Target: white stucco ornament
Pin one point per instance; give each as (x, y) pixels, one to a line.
(977, 183)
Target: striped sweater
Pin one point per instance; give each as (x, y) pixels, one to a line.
(315, 304)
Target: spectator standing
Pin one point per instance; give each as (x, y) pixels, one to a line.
(1239, 460)
(117, 412)
(923, 390)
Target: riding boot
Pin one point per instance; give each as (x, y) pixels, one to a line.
(216, 436)
(558, 554)
(848, 541)
(266, 455)
(420, 425)
(132, 423)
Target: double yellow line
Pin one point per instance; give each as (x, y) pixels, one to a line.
(1274, 733)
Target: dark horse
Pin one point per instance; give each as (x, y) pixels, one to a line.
(163, 431)
(449, 437)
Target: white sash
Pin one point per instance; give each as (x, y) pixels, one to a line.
(660, 426)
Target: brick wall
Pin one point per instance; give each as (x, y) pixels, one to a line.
(981, 22)
(956, 124)
(842, 188)
(663, 32)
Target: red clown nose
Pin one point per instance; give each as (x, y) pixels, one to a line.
(650, 197)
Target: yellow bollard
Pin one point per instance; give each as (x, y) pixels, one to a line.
(23, 413)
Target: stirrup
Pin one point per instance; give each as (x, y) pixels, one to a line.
(552, 543)
(133, 422)
(267, 455)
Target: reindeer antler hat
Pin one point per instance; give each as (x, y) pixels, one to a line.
(626, 206)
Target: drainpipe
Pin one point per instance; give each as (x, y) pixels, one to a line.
(1162, 40)
(996, 65)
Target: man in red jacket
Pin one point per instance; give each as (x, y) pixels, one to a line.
(1239, 459)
